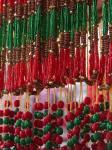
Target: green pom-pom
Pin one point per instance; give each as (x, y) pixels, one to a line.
(70, 125)
(101, 107)
(18, 123)
(86, 128)
(6, 137)
(59, 130)
(27, 124)
(6, 148)
(86, 110)
(109, 126)
(45, 113)
(103, 126)
(70, 143)
(16, 110)
(35, 131)
(59, 113)
(109, 146)
(92, 139)
(95, 117)
(22, 141)
(54, 115)
(47, 128)
(28, 140)
(97, 136)
(1, 121)
(17, 139)
(11, 137)
(48, 145)
(40, 133)
(11, 121)
(107, 105)
(6, 121)
(75, 139)
(38, 115)
(77, 121)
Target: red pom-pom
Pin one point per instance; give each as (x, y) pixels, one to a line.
(101, 98)
(69, 116)
(96, 108)
(38, 123)
(22, 134)
(95, 127)
(109, 116)
(46, 137)
(76, 130)
(109, 136)
(60, 104)
(86, 119)
(78, 112)
(78, 147)
(19, 115)
(59, 139)
(91, 109)
(32, 147)
(70, 134)
(46, 105)
(11, 129)
(47, 119)
(6, 103)
(11, 114)
(81, 106)
(5, 129)
(0, 129)
(101, 145)
(16, 103)
(60, 121)
(1, 113)
(87, 101)
(54, 107)
(27, 115)
(39, 106)
(6, 112)
(103, 116)
(86, 138)
(17, 131)
(28, 132)
(64, 148)
(38, 141)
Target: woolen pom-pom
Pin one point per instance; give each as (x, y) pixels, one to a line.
(6, 112)
(37, 141)
(101, 98)
(46, 105)
(39, 106)
(60, 121)
(5, 129)
(109, 116)
(38, 123)
(27, 115)
(109, 136)
(46, 137)
(54, 107)
(28, 132)
(60, 104)
(87, 101)
(64, 148)
(95, 127)
(47, 119)
(1, 113)
(16, 103)
(22, 134)
(19, 114)
(17, 131)
(69, 116)
(96, 108)
(59, 140)
(101, 145)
